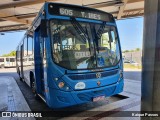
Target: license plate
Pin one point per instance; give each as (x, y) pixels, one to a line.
(99, 98)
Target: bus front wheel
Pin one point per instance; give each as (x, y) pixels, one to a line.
(33, 87)
(18, 71)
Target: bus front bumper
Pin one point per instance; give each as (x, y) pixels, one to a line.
(60, 99)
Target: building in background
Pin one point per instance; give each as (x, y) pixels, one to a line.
(135, 56)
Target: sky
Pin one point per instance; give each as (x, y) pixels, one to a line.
(130, 33)
(9, 41)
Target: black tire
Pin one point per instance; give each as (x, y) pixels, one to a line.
(32, 84)
(18, 72)
(36, 96)
(20, 79)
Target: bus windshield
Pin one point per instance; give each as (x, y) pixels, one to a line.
(83, 45)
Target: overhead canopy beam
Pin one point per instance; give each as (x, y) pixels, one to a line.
(133, 15)
(13, 27)
(131, 10)
(121, 10)
(1, 20)
(19, 4)
(24, 3)
(104, 4)
(111, 3)
(134, 1)
(29, 15)
(13, 18)
(130, 13)
(21, 16)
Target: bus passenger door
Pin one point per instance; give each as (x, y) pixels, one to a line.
(42, 55)
(39, 62)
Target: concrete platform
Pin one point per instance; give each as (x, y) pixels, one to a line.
(11, 98)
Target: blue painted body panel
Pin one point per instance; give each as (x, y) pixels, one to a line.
(58, 98)
(61, 99)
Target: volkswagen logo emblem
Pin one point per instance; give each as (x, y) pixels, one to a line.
(98, 75)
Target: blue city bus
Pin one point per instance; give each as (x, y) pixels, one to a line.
(71, 55)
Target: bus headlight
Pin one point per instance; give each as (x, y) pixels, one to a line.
(120, 75)
(61, 84)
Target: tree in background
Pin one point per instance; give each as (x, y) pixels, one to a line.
(126, 51)
(12, 53)
(135, 50)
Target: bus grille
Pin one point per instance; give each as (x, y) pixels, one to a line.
(92, 76)
(88, 96)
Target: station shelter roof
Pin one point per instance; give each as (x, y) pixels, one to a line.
(19, 14)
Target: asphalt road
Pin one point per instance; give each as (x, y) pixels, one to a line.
(132, 75)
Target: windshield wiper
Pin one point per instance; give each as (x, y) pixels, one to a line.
(81, 31)
(99, 35)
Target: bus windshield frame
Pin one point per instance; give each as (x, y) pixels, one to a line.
(92, 54)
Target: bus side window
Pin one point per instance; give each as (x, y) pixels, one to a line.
(1, 59)
(25, 47)
(17, 55)
(7, 60)
(12, 59)
(30, 45)
(42, 47)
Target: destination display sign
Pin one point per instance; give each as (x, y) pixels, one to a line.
(80, 12)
